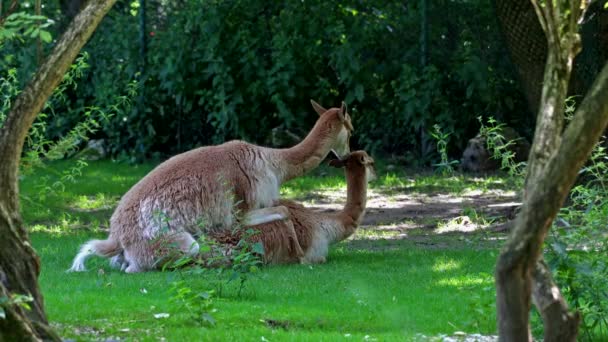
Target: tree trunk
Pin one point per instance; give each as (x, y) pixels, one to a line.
(19, 264)
(553, 166)
(560, 324)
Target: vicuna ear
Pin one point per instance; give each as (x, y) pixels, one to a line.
(342, 112)
(363, 160)
(318, 108)
(337, 163)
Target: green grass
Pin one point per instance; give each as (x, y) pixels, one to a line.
(388, 295)
(384, 292)
(52, 204)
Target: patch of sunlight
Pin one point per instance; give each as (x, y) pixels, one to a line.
(446, 265)
(374, 234)
(445, 198)
(52, 229)
(392, 180)
(466, 280)
(287, 192)
(457, 336)
(457, 224)
(64, 224)
(505, 205)
(122, 179)
(304, 186)
(88, 203)
(471, 192)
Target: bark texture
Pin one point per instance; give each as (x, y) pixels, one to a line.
(552, 169)
(19, 264)
(559, 323)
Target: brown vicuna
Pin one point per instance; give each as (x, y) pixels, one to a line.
(197, 192)
(306, 235)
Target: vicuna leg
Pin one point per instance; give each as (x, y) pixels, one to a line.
(152, 254)
(119, 262)
(294, 244)
(277, 234)
(186, 243)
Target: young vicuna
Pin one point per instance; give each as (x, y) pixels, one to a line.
(197, 192)
(314, 231)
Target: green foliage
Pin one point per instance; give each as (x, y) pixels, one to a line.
(246, 259)
(8, 91)
(21, 25)
(18, 32)
(45, 142)
(38, 148)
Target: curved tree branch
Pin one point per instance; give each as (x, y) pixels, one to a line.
(19, 264)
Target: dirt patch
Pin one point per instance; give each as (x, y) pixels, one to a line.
(420, 218)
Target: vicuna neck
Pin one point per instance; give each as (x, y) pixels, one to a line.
(309, 153)
(356, 200)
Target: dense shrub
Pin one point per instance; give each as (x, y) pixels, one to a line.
(218, 70)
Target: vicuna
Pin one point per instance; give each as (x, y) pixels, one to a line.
(197, 192)
(305, 236)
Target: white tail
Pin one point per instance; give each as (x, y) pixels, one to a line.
(103, 248)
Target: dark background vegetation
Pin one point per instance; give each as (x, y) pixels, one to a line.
(219, 70)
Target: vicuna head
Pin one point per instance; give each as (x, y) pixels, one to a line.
(358, 164)
(343, 125)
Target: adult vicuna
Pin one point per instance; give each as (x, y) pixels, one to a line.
(197, 192)
(314, 232)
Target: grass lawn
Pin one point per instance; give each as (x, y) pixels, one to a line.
(392, 281)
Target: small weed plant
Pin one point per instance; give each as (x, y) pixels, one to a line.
(445, 167)
(500, 148)
(226, 262)
(481, 303)
(219, 265)
(194, 300)
(234, 259)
